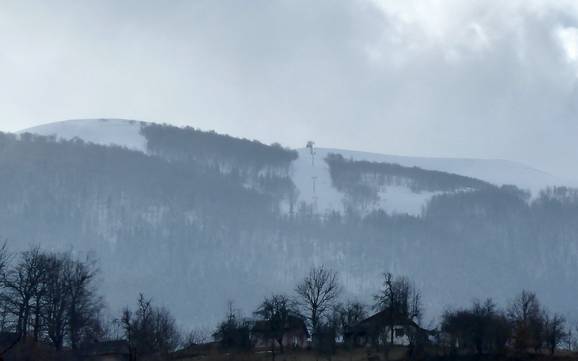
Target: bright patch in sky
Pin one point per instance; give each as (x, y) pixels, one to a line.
(569, 41)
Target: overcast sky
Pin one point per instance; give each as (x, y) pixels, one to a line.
(489, 79)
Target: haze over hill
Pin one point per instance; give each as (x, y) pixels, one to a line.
(196, 218)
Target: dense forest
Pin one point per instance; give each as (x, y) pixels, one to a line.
(259, 166)
(213, 148)
(195, 231)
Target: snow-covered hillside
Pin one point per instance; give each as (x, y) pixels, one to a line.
(311, 173)
(125, 133)
(185, 232)
(312, 178)
(495, 171)
(399, 199)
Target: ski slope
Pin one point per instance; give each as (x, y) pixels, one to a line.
(310, 173)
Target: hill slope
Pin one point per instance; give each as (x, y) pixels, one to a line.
(195, 227)
(312, 177)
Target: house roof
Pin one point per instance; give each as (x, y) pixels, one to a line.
(382, 318)
(293, 323)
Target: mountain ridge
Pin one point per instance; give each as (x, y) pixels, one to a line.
(311, 176)
(52, 128)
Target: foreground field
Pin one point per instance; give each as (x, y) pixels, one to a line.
(362, 354)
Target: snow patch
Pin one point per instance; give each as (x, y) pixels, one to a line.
(120, 132)
(308, 174)
(495, 171)
(313, 180)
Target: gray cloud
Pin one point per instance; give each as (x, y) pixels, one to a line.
(439, 78)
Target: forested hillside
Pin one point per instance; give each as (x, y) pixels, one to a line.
(256, 165)
(363, 182)
(189, 227)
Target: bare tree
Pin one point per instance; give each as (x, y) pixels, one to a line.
(126, 325)
(166, 333)
(348, 315)
(399, 298)
(317, 294)
(57, 299)
(37, 295)
(53, 296)
(554, 331)
(84, 304)
(233, 333)
(482, 328)
(525, 313)
(22, 285)
(6, 303)
(4, 258)
(150, 329)
(276, 312)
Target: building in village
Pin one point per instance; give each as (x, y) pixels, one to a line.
(295, 334)
(377, 329)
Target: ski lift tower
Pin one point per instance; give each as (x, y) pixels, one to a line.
(310, 145)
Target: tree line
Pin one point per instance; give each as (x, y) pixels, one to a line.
(523, 326)
(482, 328)
(53, 297)
(185, 144)
(50, 297)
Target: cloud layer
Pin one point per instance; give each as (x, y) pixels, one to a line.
(489, 79)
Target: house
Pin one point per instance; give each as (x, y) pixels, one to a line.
(106, 351)
(295, 334)
(377, 329)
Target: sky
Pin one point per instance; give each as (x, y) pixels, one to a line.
(483, 79)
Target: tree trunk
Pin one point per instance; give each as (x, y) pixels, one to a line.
(37, 321)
